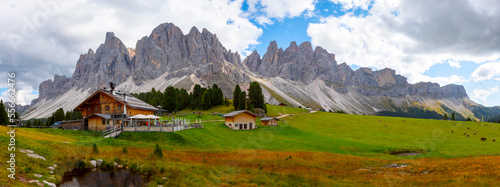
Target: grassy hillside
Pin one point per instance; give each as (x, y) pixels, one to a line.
(304, 150)
(340, 133)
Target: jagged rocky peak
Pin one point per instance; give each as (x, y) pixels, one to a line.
(83, 64)
(194, 31)
(455, 91)
(255, 59)
(167, 49)
(49, 89)
(296, 63)
(387, 77)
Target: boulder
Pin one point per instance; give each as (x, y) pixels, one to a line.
(99, 162)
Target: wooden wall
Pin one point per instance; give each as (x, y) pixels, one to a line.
(241, 119)
(264, 123)
(95, 123)
(72, 125)
(269, 122)
(244, 117)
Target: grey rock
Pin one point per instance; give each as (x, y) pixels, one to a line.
(49, 184)
(99, 163)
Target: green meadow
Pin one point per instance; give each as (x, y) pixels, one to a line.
(305, 149)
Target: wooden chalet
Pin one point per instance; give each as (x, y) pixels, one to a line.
(105, 108)
(269, 121)
(240, 120)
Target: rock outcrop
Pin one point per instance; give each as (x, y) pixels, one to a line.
(298, 75)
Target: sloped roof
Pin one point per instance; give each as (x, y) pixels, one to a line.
(105, 116)
(268, 118)
(232, 114)
(132, 102)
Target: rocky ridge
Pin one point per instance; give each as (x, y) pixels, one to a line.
(298, 75)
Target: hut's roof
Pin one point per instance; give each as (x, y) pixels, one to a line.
(268, 118)
(132, 102)
(105, 116)
(232, 114)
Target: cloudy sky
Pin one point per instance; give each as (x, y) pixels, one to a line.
(447, 41)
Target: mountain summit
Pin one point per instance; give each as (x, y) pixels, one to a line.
(296, 76)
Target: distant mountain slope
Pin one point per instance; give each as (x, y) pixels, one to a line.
(296, 76)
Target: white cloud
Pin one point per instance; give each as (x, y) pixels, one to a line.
(410, 37)
(443, 81)
(487, 71)
(454, 63)
(49, 36)
(23, 94)
(482, 94)
(262, 20)
(279, 9)
(353, 4)
(286, 8)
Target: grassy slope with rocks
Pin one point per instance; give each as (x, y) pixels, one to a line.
(305, 150)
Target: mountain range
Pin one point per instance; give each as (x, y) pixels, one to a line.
(297, 76)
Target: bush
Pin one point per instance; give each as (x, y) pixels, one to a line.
(94, 149)
(107, 164)
(149, 170)
(157, 151)
(80, 164)
(135, 167)
(124, 150)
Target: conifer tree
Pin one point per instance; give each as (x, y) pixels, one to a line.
(205, 100)
(236, 96)
(4, 118)
(242, 100)
(255, 95)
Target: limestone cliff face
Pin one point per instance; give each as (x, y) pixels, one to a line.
(297, 63)
(302, 64)
(299, 75)
(166, 50)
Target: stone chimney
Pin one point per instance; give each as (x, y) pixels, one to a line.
(112, 86)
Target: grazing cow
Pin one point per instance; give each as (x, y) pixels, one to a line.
(474, 133)
(451, 131)
(483, 139)
(494, 140)
(468, 128)
(467, 135)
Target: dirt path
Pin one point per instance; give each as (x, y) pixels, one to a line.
(282, 116)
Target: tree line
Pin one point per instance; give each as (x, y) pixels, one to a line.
(255, 98)
(58, 115)
(411, 112)
(4, 117)
(174, 99)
